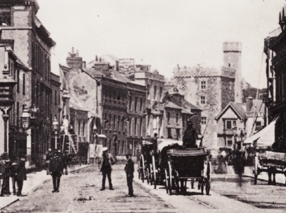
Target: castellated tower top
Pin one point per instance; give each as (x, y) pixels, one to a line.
(232, 47)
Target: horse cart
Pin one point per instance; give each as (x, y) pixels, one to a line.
(145, 161)
(174, 165)
(270, 162)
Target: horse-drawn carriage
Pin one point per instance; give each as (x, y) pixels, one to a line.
(145, 161)
(174, 165)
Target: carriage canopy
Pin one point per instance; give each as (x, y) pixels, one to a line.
(163, 142)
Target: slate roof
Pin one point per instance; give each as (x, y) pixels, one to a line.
(172, 105)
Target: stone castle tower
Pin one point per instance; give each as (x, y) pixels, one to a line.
(211, 89)
(232, 59)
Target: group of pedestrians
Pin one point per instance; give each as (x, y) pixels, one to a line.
(15, 170)
(106, 168)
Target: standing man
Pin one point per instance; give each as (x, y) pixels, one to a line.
(6, 177)
(21, 175)
(14, 168)
(129, 169)
(190, 136)
(56, 169)
(106, 168)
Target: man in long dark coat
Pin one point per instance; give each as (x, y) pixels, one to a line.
(106, 167)
(56, 169)
(129, 169)
(190, 136)
(21, 175)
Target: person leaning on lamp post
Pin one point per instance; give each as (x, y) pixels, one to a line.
(106, 167)
(129, 169)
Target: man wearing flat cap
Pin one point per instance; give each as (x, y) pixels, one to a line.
(106, 167)
(190, 136)
(129, 169)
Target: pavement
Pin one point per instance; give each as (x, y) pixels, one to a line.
(34, 180)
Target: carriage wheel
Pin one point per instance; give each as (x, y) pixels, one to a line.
(170, 178)
(154, 172)
(139, 170)
(151, 174)
(208, 187)
(148, 175)
(166, 181)
(142, 161)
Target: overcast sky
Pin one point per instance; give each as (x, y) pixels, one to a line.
(163, 33)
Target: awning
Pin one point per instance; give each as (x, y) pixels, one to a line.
(265, 137)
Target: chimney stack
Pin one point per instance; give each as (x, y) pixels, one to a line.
(249, 103)
(117, 65)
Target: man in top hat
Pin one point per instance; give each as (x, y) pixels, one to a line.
(190, 136)
(129, 169)
(106, 167)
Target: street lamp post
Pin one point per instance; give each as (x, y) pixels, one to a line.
(6, 101)
(55, 128)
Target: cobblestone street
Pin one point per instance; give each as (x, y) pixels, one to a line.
(80, 192)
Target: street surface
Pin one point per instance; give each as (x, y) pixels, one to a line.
(261, 195)
(80, 192)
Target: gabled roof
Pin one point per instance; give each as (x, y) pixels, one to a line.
(172, 105)
(185, 111)
(187, 105)
(237, 108)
